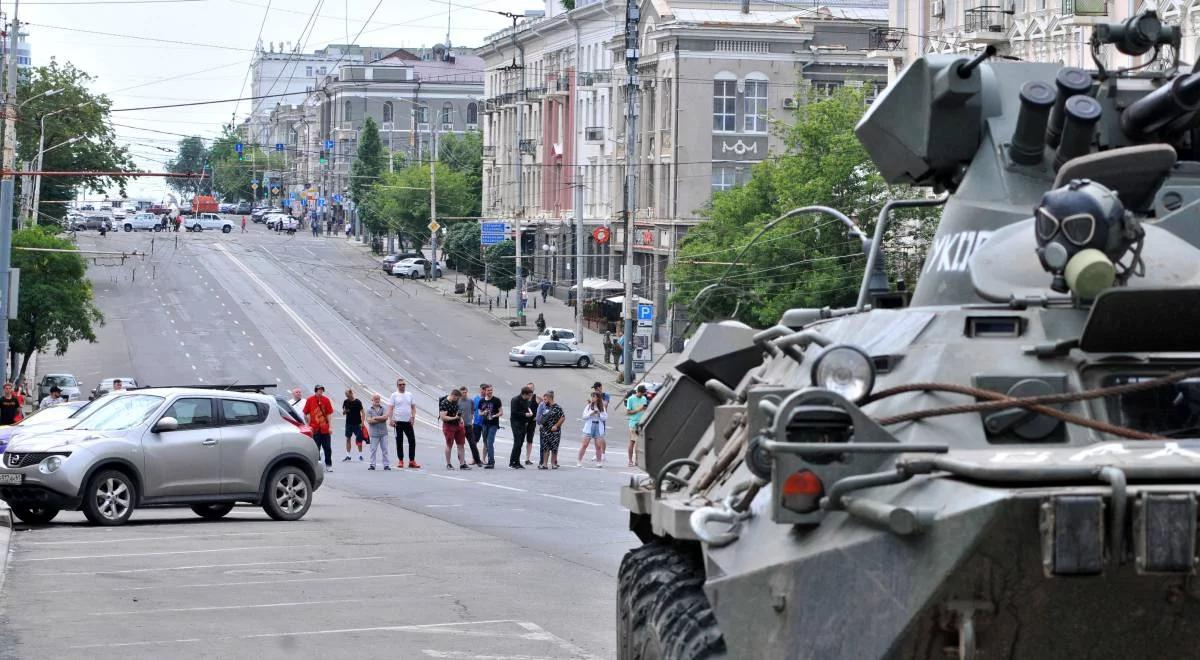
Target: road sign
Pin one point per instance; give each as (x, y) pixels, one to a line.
(434, 226)
(337, 199)
(491, 233)
(254, 186)
(328, 144)
(274, 190)
(238, 147)
(645, 314)
(278, 146)
(321, 201)
(254, 182)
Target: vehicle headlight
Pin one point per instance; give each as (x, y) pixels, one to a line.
(845, 370)
(50, 464)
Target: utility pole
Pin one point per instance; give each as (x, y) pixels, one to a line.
(429, 272)
(632, 14)
(6, 184)
(518, 65)
(578, 203)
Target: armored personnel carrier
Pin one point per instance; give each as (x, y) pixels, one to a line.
(1006, 468)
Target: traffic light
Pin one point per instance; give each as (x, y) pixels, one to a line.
(324, 160)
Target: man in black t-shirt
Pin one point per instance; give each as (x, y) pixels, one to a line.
(10, 407)
(453, 428)
(352, 408)
(522, 409)
(490, 410)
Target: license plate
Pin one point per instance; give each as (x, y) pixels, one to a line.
(12, 478)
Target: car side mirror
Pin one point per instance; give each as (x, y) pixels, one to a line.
(165, 425)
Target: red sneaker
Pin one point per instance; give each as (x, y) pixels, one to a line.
(414, 464)
(400, 465)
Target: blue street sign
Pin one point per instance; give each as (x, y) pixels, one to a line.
(321, 201)
(328, 144)
(254, 182)
(238, 147)
(337, 199)
(491, 233)
(278, 146)
(645, 312)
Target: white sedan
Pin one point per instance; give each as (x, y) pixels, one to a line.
(415, 268)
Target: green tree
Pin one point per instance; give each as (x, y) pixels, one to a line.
(233, 173)
(399, 202)
(462, 247)
(500, 259)
(369, 163)
(55, 302)
(806, 261)
(464, 154)
(79, 116)
(192, 158)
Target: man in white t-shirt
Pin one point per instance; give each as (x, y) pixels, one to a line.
(402, 410)
(297, 402)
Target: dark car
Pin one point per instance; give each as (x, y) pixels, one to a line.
(243, 207)
(91, 222)
(259, 214)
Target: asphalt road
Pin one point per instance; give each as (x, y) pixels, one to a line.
(417, 563)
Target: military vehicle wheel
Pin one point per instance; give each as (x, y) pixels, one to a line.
(662, 611)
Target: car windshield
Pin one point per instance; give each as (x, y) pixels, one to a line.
(124, 412)
(61, 381)
(49, 414)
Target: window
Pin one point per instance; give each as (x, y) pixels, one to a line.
(724, 177)
(724, 114)
(308, 71)
(387, 112)
(423, 115)
(756, 106)
(191, 413)
(826, 87)
(472, 114)
(321, 71)
(242, 412)
(346, 116)
(447, 109)
(122, 413)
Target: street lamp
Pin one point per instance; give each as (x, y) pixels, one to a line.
(49, 92)
(550, 251)
(37, 179)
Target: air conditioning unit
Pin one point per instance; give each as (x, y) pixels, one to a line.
(422, 128)
(593, 134)
(448, 126)
(789, 103)
(939, 9)
(472, 127)
(387, 126)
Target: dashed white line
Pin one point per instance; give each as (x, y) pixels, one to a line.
(159, 554)
(228, 607)
(488, 483)
(569, 499)
(442, 476)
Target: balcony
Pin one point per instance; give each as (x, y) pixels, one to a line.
(986, 24)
(528, 147)
(586, 79)
(561, 86)
(1086, 9)
(887, 38)
(594, 134)
(534, 93)
(489, 151)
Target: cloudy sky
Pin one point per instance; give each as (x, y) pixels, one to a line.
(131, 48)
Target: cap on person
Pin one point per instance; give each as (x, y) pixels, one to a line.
(320, 388)
(641, 389)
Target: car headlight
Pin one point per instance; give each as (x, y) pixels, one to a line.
(50, 464)
(845, 370)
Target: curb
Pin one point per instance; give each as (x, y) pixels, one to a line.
(5, 540)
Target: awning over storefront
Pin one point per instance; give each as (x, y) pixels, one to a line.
(598, 284)
(620, 300)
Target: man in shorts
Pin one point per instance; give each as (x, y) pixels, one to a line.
(635, 407)
(453, 429)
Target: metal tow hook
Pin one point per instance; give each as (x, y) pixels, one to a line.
(725, 512)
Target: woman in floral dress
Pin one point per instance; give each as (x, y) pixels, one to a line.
(552, 421)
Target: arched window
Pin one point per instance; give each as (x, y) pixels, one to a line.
(387, 112)
(346, 115)
(472, 114)
(447, 110)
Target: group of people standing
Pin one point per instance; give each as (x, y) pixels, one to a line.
(467, 422)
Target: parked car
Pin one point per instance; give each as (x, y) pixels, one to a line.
(202, 221)
(67, 383)
(283, 220)
(565, 335)
(158, 209)
(243, 208)
(106, 386)
(118, 213)
(206, 449)
(415, 268)
(91, 221)
(143, 221)
(51, 418)
(227, 207)
(259, 214)
(541, 352)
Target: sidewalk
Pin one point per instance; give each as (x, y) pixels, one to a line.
(556, 313)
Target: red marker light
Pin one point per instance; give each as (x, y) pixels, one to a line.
(802, 491)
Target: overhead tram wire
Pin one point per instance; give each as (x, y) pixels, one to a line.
(301, 44)
(250, 66)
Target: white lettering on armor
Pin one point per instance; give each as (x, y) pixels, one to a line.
(1022, 457)
(1109, 449)
(1172, 449)
(952, 254)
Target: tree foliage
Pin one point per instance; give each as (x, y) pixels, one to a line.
(399, 202)
(232, 175)
(96, 150)
(463, 153)
(500, 261)
(55, 301)
(191, 158)
(462, 248)
(805, 261)
(369, 164)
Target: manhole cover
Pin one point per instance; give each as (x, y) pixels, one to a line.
(269, 571)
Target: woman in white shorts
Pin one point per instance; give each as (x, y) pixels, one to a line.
(594, 422)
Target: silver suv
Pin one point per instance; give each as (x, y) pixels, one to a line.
(170, 446)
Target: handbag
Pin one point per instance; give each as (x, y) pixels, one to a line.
(366, 433)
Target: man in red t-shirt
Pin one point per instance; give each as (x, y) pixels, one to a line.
(317, 409)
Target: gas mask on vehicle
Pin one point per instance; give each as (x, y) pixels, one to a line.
(1083, 236)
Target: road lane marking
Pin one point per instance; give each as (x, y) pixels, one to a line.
(443, 506)
(139, 539)
(301, 603)
(433, 653)
(239, 584)
(488, 483)
(570, 499)
(172, 552)
(442, 476)
(188, 568)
